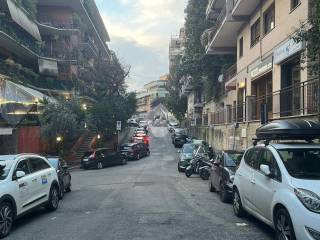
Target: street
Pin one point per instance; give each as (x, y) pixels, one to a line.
(146, 199)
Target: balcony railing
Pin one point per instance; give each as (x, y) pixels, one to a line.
(294, 101)
(230, 72)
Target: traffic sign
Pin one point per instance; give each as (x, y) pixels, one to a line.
(118, 125)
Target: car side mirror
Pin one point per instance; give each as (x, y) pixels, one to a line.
(19, 174)
(265, 169)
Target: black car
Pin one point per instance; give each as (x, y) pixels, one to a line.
(179, 139)
(63, 174)
(134, 151)
(177, 131)
(222, 173)
(101, 158)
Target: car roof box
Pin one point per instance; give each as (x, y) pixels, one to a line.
(289, 130)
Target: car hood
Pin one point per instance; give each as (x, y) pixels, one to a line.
(311, 185)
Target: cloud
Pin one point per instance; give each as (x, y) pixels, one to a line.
(140, 32)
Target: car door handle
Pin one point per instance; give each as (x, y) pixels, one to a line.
(34, 180)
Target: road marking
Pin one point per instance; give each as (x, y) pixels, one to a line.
(88, 212)
(53, 218)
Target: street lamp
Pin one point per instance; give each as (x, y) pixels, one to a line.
(99, 136)
(59, 139)
(84, 107)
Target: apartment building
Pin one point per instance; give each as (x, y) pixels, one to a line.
(176, 48)
(51, 50)
(269, 79)
(143, 102)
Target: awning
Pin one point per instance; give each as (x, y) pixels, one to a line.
(17, 101)
(21, 18)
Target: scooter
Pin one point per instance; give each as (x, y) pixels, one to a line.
(193, 166)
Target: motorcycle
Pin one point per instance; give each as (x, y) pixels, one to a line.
(193, 166)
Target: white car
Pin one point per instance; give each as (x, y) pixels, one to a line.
(280, 185)
(27, 181)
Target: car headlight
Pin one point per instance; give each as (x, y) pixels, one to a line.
(309, 199)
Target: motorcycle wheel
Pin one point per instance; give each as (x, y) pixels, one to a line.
(204, 174)
(188, 172)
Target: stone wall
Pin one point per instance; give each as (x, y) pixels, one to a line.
(227, 137)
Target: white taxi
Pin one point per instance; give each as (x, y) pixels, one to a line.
(27, 181)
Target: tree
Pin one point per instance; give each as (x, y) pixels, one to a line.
(204, 69)
(310, 33)
(177, 105)
(63, 119)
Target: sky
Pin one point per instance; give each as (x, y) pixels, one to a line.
(140, 31)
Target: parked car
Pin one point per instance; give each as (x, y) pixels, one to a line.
(185, 156)
(27, 181)
(222, 173)
(101, 158)
(279, 182)
(135, 151)
(63, 174)
(180, 139)
(172, 125)
(177, 131)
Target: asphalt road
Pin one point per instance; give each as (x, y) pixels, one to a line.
(146, 199)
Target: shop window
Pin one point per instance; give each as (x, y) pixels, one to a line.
(269, 19)
(241, 47)
(294, 4)
(255, 32)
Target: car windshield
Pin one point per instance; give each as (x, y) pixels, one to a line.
(188, 148)
(303, 163)
(125, 148)
(4, 169)
(53, 162)
(233, 159)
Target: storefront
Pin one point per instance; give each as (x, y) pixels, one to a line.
(287, 56)
(261, 88)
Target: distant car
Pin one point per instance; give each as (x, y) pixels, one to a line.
(143, 123)
(63, 174)
(135, 151)
(130, 121)
(185, 156)
(140, 129)
(222, 173)
(172, 125)
(27, 181)
(101, 158)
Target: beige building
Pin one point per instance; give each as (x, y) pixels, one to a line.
(143, 102)
(267, 79)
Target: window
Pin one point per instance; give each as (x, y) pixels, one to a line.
(255, 32)
(38, 164)
(23, 166)
(267, 158)
(251, 157)
(294, 4)
(269, 19)
(241, 47)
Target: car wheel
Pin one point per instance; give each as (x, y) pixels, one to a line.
(211, 187)
(61, 190)
(223, 194)
(124, 161)
(283, 225)
(237, 204)
(53, 202)
(179, 168)
(68, 189)
(99, 165)
(6, 219)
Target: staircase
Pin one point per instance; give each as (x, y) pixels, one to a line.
(84, 147)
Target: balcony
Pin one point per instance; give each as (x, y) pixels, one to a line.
(230, 78)
(221, 39)
(244, 7)
(48, 28)
(213, 8)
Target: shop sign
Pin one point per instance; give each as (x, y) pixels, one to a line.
(5, 131)
(263, 67)
(286, 50)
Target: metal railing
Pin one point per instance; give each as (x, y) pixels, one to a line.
(295, 101)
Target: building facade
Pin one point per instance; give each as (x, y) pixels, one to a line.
(49, 50)
(269, 79)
